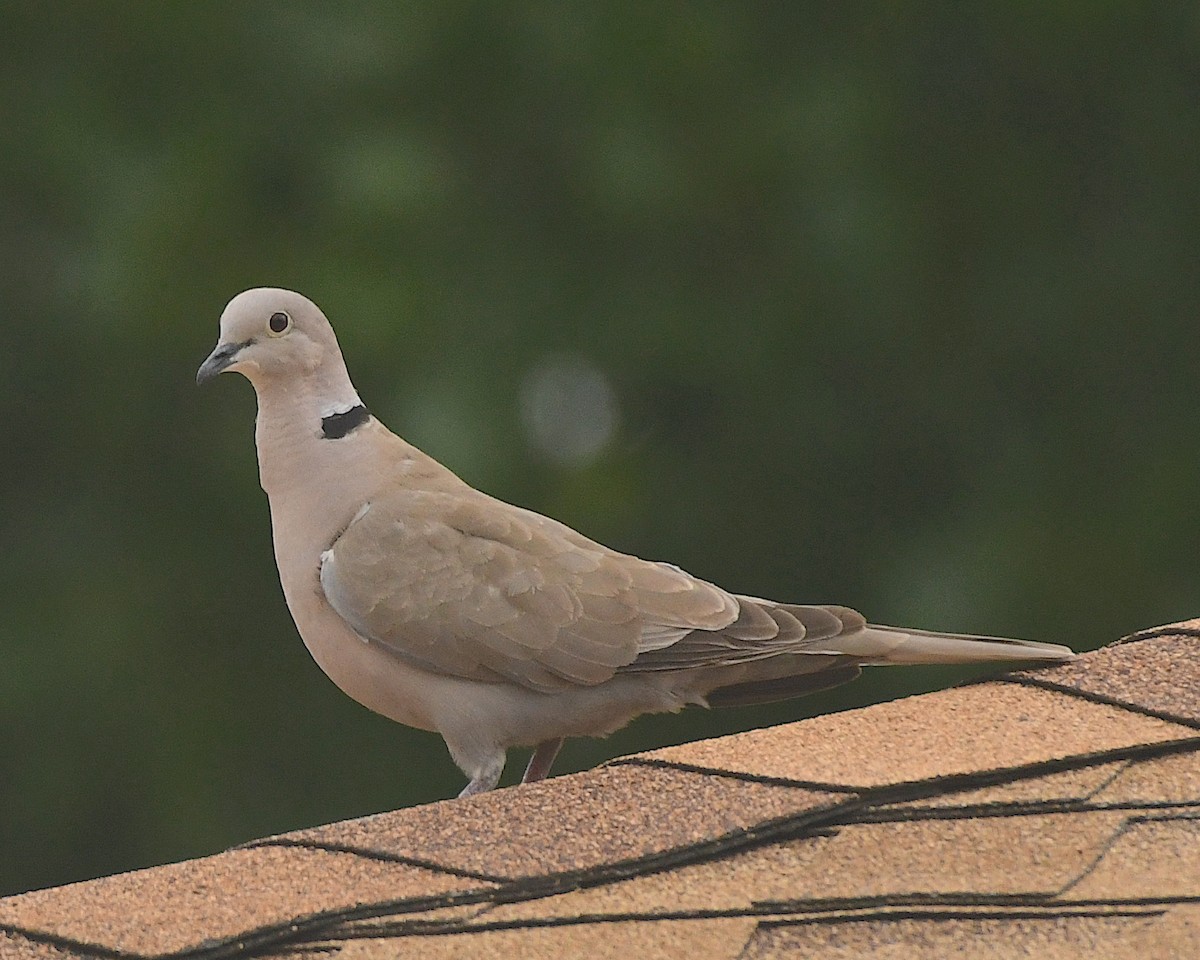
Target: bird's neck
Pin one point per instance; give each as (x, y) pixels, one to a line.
(305, 423)
(315, 443)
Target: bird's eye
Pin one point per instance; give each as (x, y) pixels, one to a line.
(279, 324)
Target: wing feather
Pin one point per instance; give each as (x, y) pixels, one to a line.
(463, 584)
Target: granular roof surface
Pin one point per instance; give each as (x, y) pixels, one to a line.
(1051, 813)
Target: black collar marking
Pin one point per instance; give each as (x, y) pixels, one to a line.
(337, 425)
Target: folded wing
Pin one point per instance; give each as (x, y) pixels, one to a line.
(465, 585)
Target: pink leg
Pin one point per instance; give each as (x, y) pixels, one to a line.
(542, 760)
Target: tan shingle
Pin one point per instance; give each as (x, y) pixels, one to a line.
(967, 730)
(1064, 786)
(986, 857)
(571, 823)
(22, 948)
(1049, 937)
(1161, 780)
(1153, 857)
(718, 939)
(181, 905)
(1182, 628)
(1160, 672)
(1030, 856)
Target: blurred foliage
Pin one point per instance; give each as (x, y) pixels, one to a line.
(897, 304)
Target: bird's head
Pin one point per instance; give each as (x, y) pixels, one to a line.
(272, 335)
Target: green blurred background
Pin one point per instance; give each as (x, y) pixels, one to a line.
(890, 305)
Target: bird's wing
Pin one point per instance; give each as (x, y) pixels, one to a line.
(763, 629)
(466, 585)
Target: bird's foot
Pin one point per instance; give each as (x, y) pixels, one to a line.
(478, 785)
(484, 779)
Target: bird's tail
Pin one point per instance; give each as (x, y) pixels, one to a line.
(877, 645)
(834, 642)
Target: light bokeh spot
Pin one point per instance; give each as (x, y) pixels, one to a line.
(568, 409)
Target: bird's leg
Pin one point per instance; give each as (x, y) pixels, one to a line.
(542, 760)
(485, 779)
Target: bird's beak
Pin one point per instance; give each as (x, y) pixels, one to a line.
(219, 360)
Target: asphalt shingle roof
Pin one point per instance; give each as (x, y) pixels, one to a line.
(1053, 813)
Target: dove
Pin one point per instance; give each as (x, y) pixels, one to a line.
(448, 610)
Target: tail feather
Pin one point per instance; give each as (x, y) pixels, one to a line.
(877, 645)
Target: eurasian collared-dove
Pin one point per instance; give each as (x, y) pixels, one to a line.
(445, 609)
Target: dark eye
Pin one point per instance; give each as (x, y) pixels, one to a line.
(279, 323)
